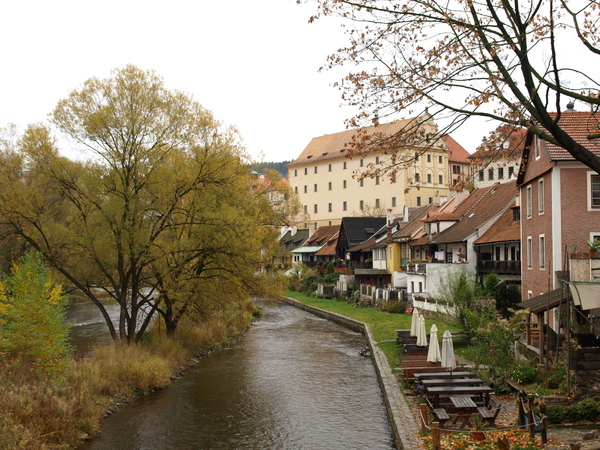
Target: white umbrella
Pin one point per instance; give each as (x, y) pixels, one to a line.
(414, 322)
(448, 358)
(434, 354)
(421, 333)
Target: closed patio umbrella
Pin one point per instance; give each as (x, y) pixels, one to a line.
(421, 332)
(448, 358)
(434, 354)
(414, 322)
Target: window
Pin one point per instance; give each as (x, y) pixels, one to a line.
(394, 202)
(541, 196)
(490, 174)
(330, 167)
(481, 176)
(529, 250)
(376, 180)
(296, 189)
(315, 188)
(542, 252)
(305, 209)
(295, 172)
(362, 205)
(418, 201)
(315, 169)
(344, 184)
(306, 171)
(344, 165)
(416, 156)
(455, 169)
(316, 209)
(594, 191)
(330, 185)
(511, 171)
(428, 178)
(430, 200)
(330, 207)
(362, 163)
(440, 159)
(528, 202)
(440, 179)
(361, 183)
(376, 203)
(428, 158)
(377, 160)
(344, 206)
(305, 189)
(417, 177)
(501, 173)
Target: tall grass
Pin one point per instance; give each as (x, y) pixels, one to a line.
(38, 412)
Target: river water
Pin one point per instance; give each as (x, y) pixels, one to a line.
(294, 381)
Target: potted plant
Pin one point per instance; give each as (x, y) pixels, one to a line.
(477, 433)
(593, 247)
(575, 445)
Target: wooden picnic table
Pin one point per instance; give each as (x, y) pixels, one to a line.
(465, 408)
(437, 392)
(432, 375)
(452, 382)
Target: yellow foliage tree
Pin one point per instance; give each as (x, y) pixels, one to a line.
(33, 330)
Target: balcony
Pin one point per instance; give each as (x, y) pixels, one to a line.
(499, 267)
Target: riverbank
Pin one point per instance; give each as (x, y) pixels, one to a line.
(43, 413)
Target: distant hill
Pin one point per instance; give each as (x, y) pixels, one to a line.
(278, 166)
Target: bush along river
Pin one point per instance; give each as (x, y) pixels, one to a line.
(294, 381)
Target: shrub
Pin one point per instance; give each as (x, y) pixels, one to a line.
(556, 376)
(524, 374)
(330, 267)
(556, 413)
(586, 409)
(393, 306)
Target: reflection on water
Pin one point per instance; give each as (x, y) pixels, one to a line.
(89, 327)
(295, 381)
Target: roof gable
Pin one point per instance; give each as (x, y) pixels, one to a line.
(359, 229)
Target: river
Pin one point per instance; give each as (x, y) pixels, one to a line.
(294, 381)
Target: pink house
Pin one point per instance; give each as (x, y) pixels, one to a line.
(560, 205)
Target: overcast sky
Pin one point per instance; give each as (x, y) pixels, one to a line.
(254, 64)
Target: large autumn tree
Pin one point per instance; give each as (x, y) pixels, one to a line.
(515, 62)
(150, 210)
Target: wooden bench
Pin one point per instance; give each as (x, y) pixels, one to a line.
(490, 413)
(441, 375)
(452, 382)
(436, 393)
(465, 334)
(439, 414)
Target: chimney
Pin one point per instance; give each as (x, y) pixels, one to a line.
(311, 229)
(406, 213)
(390, 217)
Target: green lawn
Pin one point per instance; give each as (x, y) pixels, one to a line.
(383, 325)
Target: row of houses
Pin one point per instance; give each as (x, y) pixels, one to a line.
(416, 251)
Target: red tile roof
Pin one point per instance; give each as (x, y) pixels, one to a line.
(505, 229)
(457, 151)
(579, 125)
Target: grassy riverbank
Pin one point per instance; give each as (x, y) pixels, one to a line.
(383, 325)
(43, 413)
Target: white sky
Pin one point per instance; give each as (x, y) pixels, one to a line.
(254, 64)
